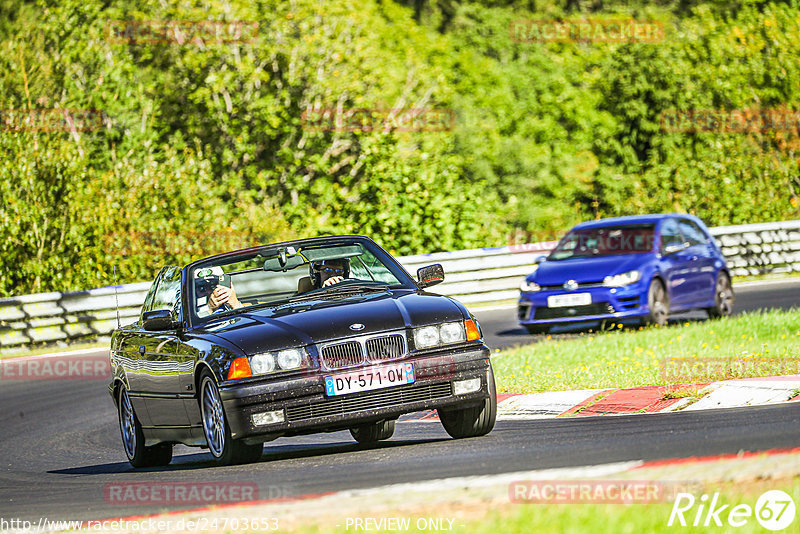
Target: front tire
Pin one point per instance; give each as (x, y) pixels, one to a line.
(723, 297)
(475, 420)
(224, 449)
(658, 303)
(133, 437)
(373, 432)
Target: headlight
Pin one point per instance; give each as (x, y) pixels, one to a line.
(526, 286)
(262, 363)
(426, 337)
(452, 333)
(443, 334)
(284, 360)
(290, 359)
(624, 279)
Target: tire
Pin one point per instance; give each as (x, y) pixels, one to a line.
(224, 449)
(723, 297)
(475, 420)
(537, 328)
(373, 432)
(658, 303)
(133, 438)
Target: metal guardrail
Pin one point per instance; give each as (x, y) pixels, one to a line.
(473, 277)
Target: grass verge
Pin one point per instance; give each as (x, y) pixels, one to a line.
(621, 518)
(761, 343)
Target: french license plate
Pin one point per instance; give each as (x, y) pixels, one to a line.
(570, 299)
(369, 378)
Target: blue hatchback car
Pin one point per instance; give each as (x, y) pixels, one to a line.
(639, 267)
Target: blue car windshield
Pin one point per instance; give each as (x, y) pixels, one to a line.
(605, 241)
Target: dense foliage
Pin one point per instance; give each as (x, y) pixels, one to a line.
(200, 146)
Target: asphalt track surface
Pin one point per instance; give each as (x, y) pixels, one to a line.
(60, 443)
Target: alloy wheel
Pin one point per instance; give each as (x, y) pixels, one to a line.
(213, 419)
(127, 424)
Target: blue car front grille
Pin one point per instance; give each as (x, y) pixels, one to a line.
(582, 285)
(595, 308)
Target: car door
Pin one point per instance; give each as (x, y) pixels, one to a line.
(676, 266)
(129, 358)
(702, 257)
(131, 353)
(161, 362)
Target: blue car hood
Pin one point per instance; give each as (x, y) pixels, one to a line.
(587, 270)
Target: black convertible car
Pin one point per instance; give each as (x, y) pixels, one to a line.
(307, 336)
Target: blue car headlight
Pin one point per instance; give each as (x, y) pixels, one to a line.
(529, 286)
(624, 279)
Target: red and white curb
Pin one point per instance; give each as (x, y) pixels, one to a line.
(648, 399)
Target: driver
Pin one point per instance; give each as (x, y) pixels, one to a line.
(223, 295)
(330, 272)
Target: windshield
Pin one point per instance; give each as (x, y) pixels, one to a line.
(277, 275)
(607, 241)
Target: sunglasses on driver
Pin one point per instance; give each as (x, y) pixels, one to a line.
(331, 270)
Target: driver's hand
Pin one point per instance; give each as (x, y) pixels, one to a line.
(332, 280)
(223, 295)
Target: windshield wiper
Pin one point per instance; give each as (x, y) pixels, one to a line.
(342, 288)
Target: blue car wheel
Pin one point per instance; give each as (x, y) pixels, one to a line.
(723, 297)
(658, 302)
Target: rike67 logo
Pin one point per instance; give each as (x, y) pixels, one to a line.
(774, 510)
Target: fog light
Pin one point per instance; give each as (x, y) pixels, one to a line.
(461, 387)
(267, 418)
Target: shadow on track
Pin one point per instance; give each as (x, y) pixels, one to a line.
(203, 460)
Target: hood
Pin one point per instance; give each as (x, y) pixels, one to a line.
(587, 270)
(304, 323)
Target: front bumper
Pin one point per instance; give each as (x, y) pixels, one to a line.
(307, 409)
(607, 303)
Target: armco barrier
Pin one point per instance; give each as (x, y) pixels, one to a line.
(473, 276)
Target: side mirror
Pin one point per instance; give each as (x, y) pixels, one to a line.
(430, 275)
(672, 248)
(539, 259)
(159, 320)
